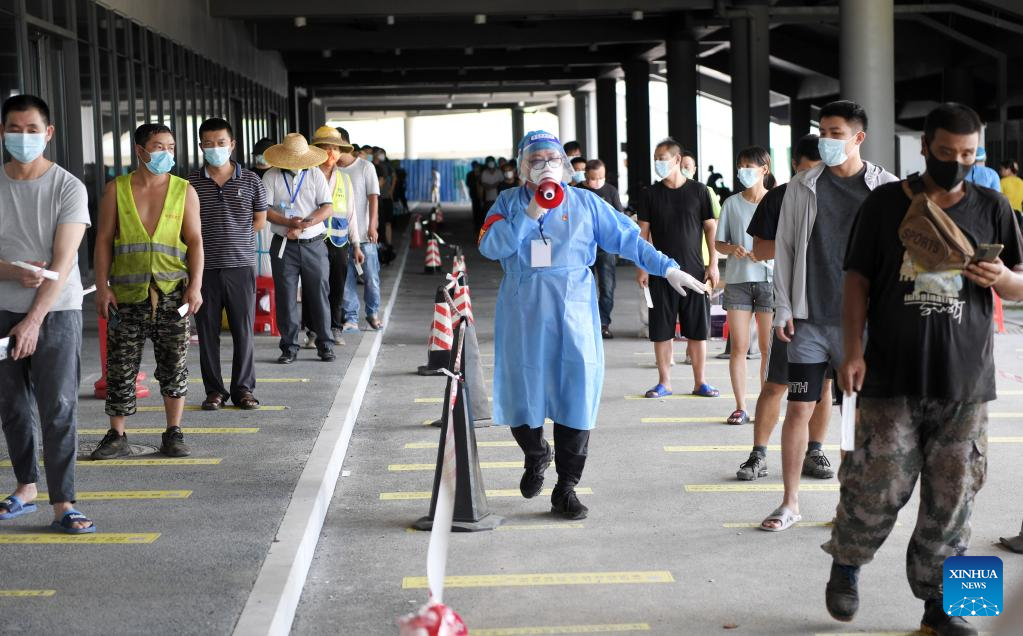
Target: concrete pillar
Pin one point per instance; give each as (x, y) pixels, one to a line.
(607, 126)
(566, 118)
(867, 71)
(751, 72)
(518, 117)
(637, 124)
(410, 137)
(582, 121)
(799, 122)
(681, 56)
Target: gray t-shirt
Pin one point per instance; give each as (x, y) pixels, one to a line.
(30, 212)
(838, 201)
(364, 183)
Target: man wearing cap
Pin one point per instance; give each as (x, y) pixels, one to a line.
(549, 357)
(300, 202)
(982, 175)
(342, 228)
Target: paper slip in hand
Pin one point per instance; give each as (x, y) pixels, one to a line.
(649, 299)
(358, 268)
(848, 422)
(5, 345)
(183, 310)
(280, 252)
(48, 274)
(88, 290)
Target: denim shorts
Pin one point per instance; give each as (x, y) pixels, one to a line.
(758, 297)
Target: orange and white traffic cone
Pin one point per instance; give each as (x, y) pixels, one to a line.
(417, 233)
(463, 304)
(438, 353)
(433, 262)
(438, 217)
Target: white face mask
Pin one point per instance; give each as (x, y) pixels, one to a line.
(538, 175)
(687, 173)
(663, 168)
(508, 174)
(748, 177)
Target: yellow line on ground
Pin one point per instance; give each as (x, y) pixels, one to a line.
(756, 524)
(436, 400)
(504, 443)
(542, 526)
(504, 492)
(26, 593)
(1010, 392)
(562, 629)
(1005, 440)
(103, 537)
(116, 495)
(682, 420)
(259, 381)
(1004, 416)
(684, 396)
(866, 633)
(758, 488)
(189, 430)
(196, 407)
(728, 448)
(554, 578)
(398, 468)
(121, 463)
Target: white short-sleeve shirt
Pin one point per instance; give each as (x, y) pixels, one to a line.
(291, 194)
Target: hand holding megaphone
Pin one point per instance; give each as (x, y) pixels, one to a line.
(549, 194)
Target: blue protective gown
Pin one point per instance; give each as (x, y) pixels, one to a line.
(548, 353)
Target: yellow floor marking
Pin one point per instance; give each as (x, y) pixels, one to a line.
(196, 407)
(1004, 416)
(189, 430)
(504, 492)
(259, 381)
(1010, 392)
(103, 537)
(116, 495)
(866, 633)
(504, 443)
(26, 593)
(542, 526)
(758, 488)
(556, 578)
(436, 400)
(398, 468)
(805, 524)
(562, 629)
(684, 396)
(682, 420)
(727, 448)
(1005, 440)
(111, 463)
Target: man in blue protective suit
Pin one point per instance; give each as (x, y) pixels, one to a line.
(549, 356)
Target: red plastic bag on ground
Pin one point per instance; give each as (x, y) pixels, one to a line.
(433, 619)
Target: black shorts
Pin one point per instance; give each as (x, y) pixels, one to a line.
(778, 364)
(692, 312)
(385, 210)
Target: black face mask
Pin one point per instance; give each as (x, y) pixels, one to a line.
(947, 174)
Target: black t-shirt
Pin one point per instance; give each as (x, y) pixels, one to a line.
(930, 333)
(764, 224)
(676, 217)
(607, 192)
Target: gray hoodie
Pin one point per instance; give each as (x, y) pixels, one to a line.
(795, 223)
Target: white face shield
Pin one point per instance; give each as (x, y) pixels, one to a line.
(540, 157)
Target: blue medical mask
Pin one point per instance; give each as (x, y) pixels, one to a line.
(578, 176)
(260, 161)
(748, 177)
(832, 151)
(25, 147)
(687, 174)
(662, 168)
(160, 162)
(216, 156)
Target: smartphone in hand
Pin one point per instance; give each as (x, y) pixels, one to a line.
(987, 252)
(115, 318)
(6, 347)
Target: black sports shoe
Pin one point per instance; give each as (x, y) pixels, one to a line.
(565, 503)
(938, 623)
(753, 468)
(327, 355)
(287, 357)
(532, 479)
(174, 443)
(112, 446)
(841, 594)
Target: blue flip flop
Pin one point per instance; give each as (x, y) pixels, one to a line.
(15, 508)
(658, 391)
(707, 390)
(72, 516)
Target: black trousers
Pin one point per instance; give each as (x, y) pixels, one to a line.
(570, 449)
(233, 289)
(306, 262)
(337, 263)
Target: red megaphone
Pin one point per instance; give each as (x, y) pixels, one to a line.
(549, 194)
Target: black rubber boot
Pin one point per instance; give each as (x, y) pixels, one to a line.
(842, 594)
(538, 457)
(570, 449)
(938, 623)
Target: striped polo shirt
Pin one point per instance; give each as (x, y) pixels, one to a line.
(226, 213)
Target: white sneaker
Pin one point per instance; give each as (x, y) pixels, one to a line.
(310, 341)
(338, 339)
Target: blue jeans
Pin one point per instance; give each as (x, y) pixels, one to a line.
(371, 269)
(604, 272)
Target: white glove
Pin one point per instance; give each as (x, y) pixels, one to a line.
(534, 210)
(681, 280)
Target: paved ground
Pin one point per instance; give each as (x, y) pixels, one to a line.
(199, 528)
(676, 549)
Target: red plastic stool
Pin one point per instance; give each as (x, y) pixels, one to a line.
(266, 321)
(100, 388)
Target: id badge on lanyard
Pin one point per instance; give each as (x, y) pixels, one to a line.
(289, 207)
(540, 249)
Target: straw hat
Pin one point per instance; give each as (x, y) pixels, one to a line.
(327, 135)
(294, 154)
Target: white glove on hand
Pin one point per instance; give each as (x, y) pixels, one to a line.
(681, 280)
(534, 210)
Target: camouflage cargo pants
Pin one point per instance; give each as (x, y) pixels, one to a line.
(169, 333)
(941, 441)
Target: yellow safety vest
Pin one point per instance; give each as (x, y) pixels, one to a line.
(140, 259)
(337, 224)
